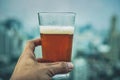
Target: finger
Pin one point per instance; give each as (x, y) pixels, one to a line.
(46, 62)
(59, 68)
(29, 48)
(42, 60)
(31, 44)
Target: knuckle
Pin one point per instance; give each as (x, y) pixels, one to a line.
(51, 72)
(63, 64)
(64, 67)
(29, 42)
(28, 45)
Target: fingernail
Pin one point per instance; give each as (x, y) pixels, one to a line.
(70, 65)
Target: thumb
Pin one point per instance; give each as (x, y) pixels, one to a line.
(59, 68)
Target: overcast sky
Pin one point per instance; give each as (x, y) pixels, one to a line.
(95, 12)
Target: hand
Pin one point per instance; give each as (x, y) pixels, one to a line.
(28, 67)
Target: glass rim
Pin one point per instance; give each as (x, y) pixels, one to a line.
(58, 12)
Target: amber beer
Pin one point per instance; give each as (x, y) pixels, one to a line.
(56, 42)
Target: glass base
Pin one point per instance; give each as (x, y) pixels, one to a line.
(61, 77)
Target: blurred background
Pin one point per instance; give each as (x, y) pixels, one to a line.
(96, 44)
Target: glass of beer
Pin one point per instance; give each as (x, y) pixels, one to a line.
(56, 31)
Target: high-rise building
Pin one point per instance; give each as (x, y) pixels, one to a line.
(113, 40)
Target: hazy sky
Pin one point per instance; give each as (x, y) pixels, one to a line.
(95, 12)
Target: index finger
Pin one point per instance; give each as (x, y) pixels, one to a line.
(30, 47)
(31, 44)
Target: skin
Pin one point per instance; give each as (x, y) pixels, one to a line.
(30, 68)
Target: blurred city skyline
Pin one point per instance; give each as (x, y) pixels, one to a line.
(95, 12)
(96, 46)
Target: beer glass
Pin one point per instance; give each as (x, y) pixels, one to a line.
(56, 30)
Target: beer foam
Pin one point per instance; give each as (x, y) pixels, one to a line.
(57, 29)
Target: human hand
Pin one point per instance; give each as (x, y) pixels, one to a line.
(28, 67)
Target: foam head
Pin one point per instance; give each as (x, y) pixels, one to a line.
(56, 29)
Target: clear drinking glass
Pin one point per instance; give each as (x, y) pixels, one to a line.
(56, 31)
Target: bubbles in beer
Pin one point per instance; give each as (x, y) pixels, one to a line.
(56, 29)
